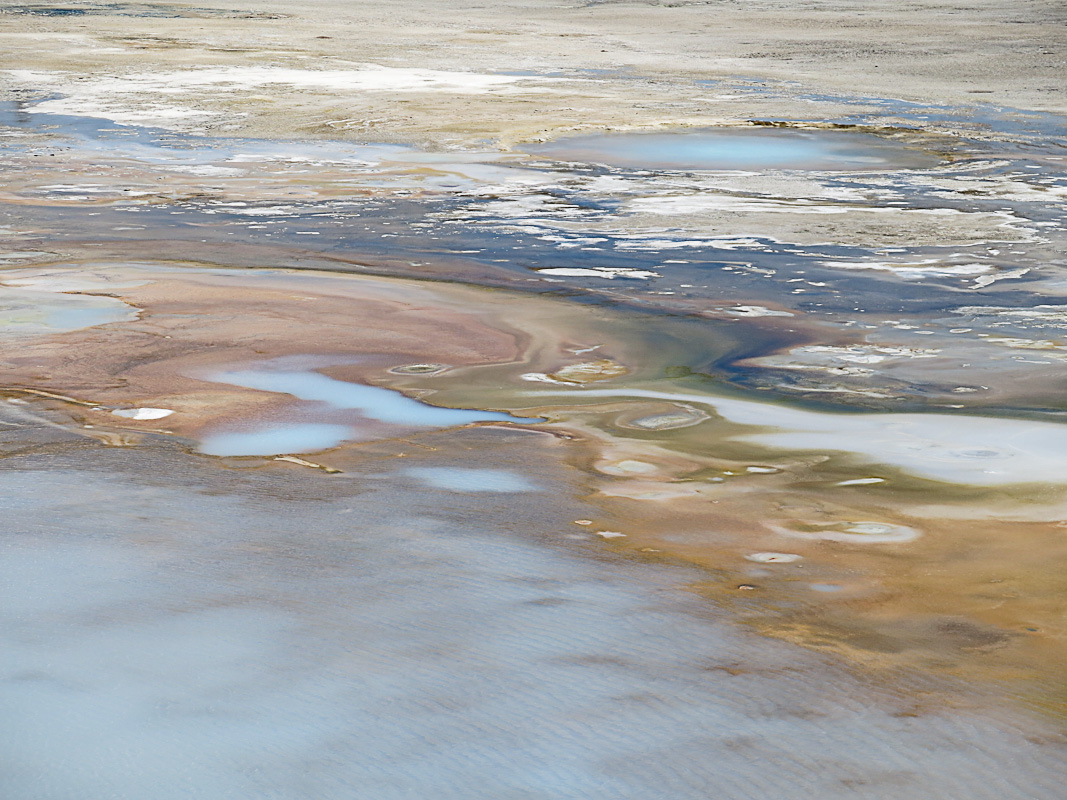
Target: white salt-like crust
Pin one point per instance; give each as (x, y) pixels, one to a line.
(142, 413)
(155, 98)
(600, 272)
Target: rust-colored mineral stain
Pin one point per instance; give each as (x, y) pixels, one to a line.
(892, 571)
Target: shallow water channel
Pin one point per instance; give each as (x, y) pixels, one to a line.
(326, 395)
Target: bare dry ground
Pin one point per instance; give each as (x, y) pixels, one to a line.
(561, 66)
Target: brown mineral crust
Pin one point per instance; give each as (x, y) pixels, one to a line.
(198, 323)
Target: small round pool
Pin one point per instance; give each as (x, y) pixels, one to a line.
(738, 149)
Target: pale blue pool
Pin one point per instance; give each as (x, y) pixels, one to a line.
(737, 149)
(465, 479)
(329, 396)
(276, 439)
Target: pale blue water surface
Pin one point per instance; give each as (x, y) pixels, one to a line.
(169, 630)
(276, 439)
(372, 402)
(29, 312)
(460, 479)
(385, 405)
(736, 149)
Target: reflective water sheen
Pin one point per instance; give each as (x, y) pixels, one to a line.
(275, 440)
(374, 402)
(460, 479)
(171, 632)
(25, 312)
(328, 394)
(737, 149)
(959, 448)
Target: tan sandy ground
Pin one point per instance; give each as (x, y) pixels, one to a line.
(626, 64)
